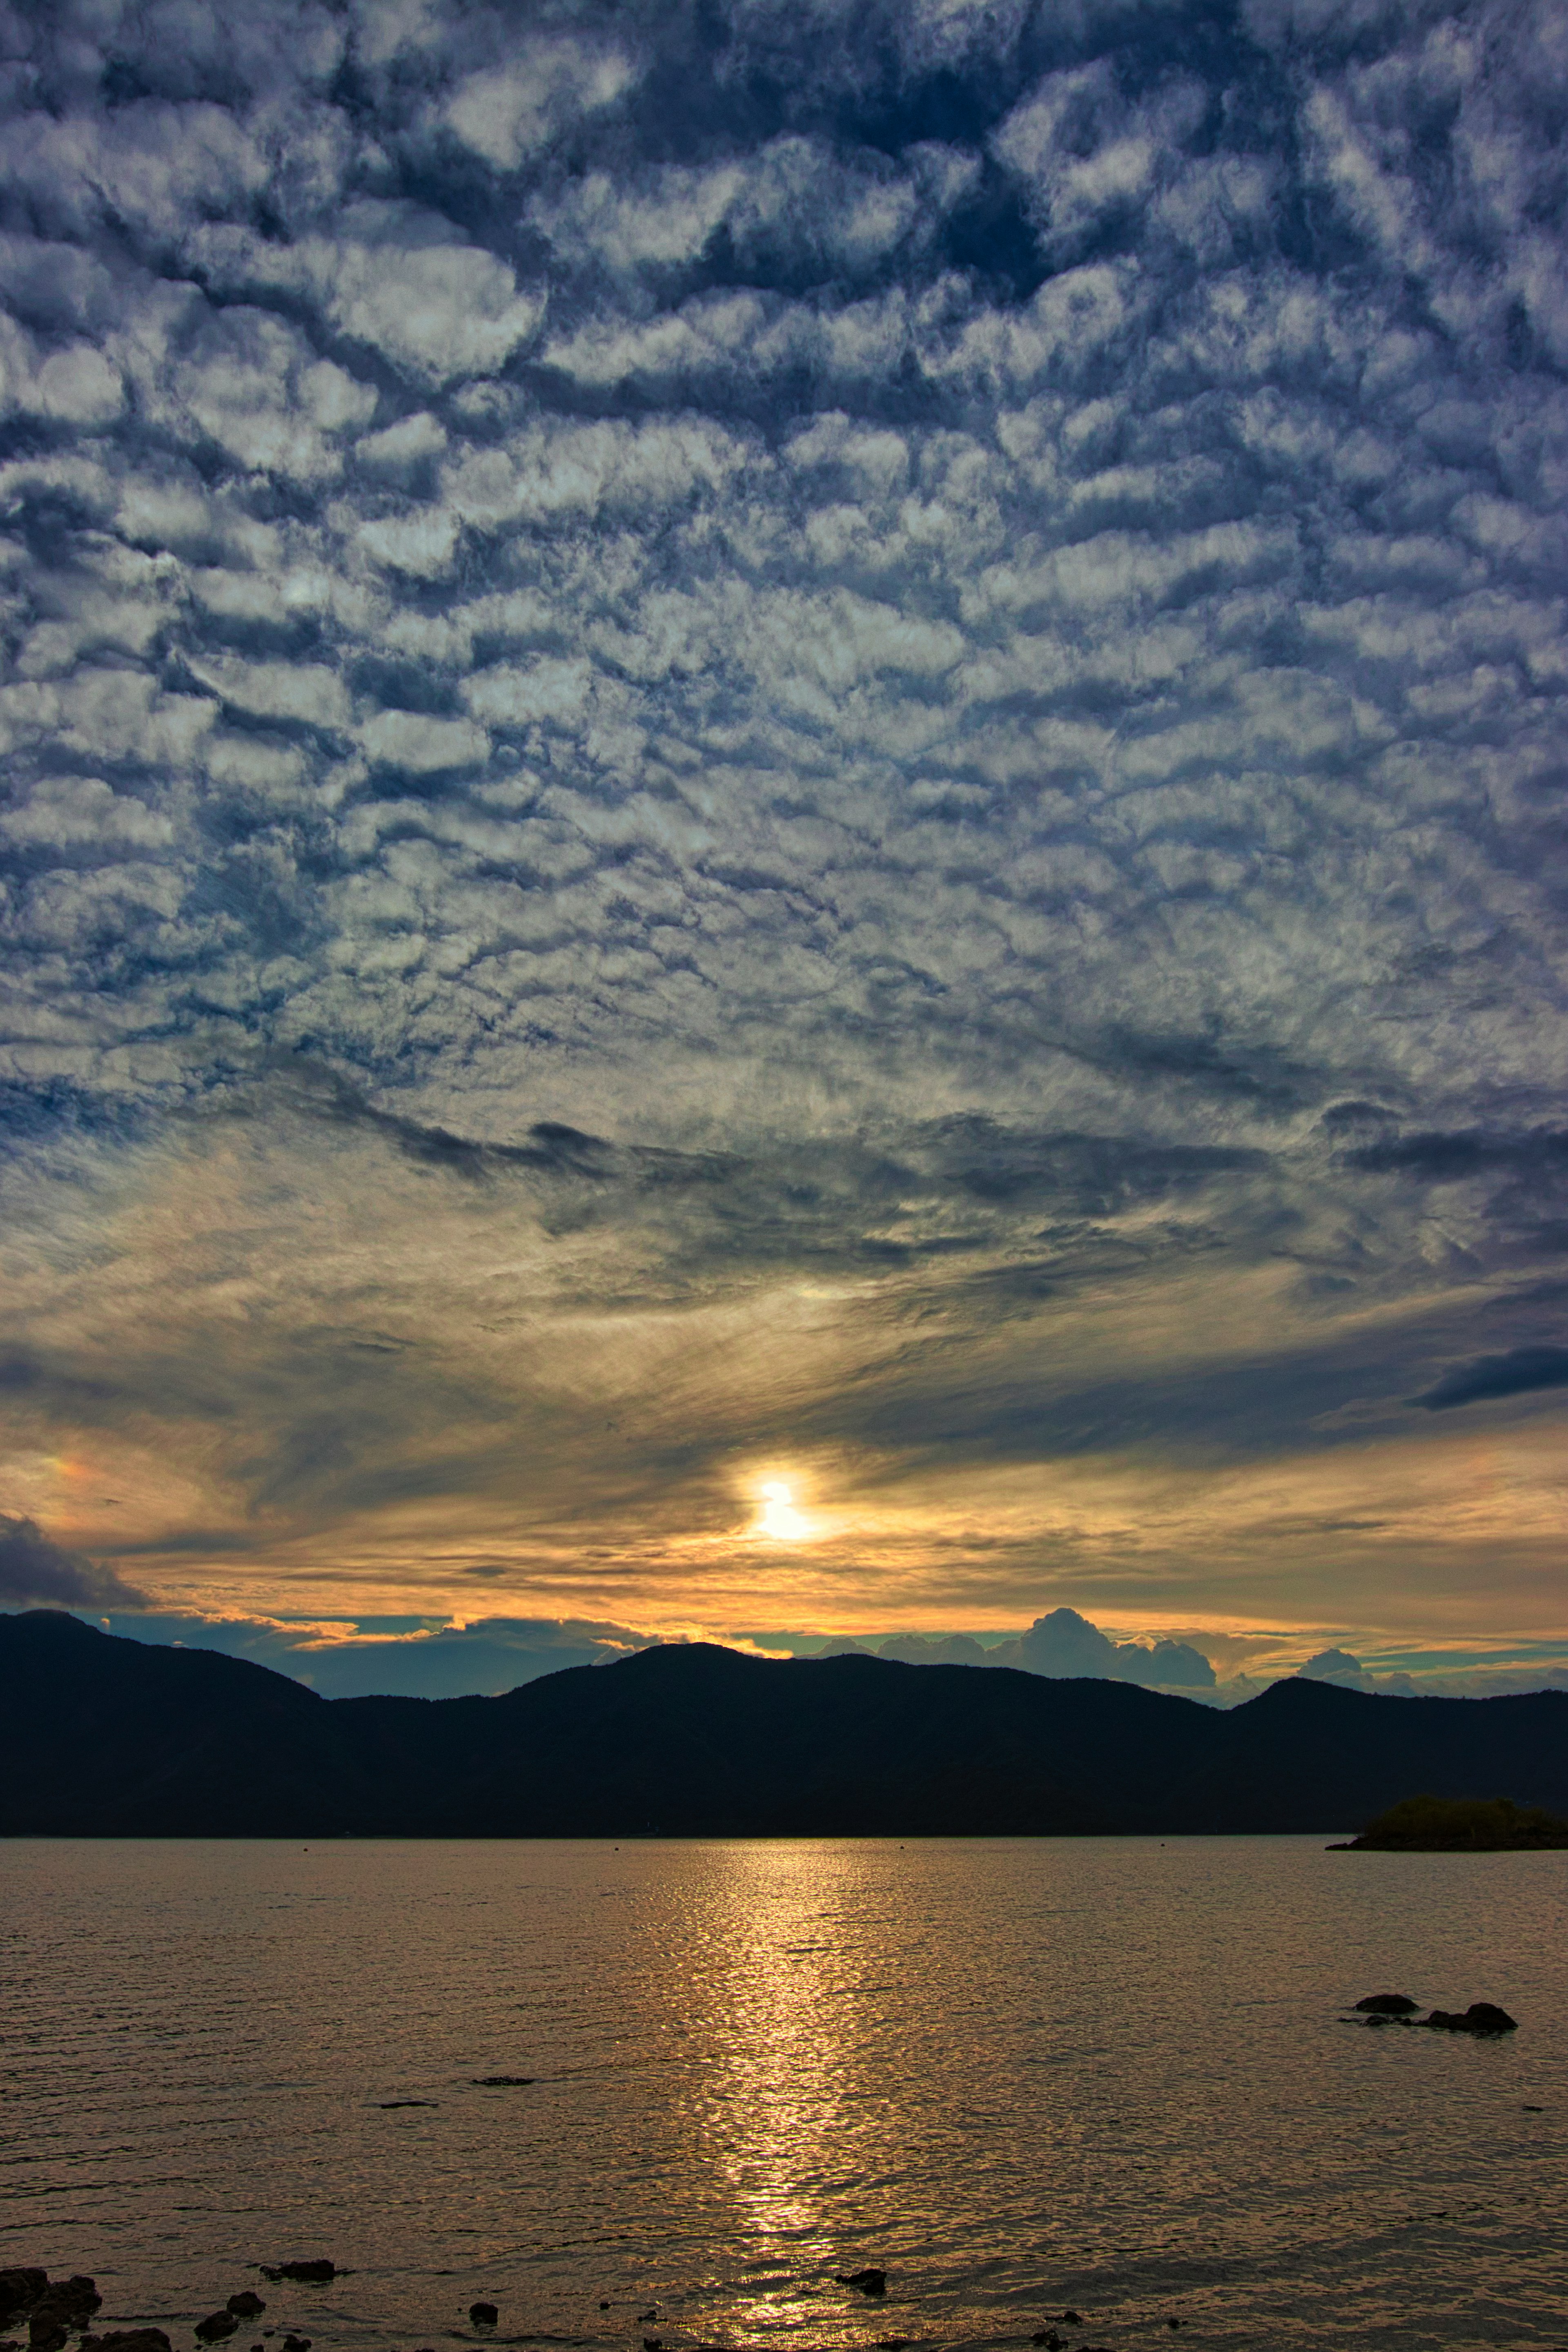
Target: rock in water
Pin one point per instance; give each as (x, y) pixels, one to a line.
(247, 2304)
(128, 2339)
(309, 2273)
(18, 2290)
(65, 2305)
(1388, 2004)
(1481, 2017)
(483, 2314)
(216, 2327)
(869, 2282)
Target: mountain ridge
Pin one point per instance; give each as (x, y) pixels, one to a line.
(115, 1738)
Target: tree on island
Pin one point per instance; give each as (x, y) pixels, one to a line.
(1459, 1825)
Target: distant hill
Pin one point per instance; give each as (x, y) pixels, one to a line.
(113, 1738)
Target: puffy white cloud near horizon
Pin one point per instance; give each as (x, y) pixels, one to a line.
(823, 744)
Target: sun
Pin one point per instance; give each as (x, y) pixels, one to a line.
(777, 1517)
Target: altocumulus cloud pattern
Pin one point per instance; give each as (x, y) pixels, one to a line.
(820, 731)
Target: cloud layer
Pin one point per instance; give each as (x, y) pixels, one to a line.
(819, 743)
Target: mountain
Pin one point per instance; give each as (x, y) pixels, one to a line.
(113, 1738)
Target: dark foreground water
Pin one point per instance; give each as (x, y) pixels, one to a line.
(1023, 2076)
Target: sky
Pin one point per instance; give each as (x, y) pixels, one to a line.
(782, 820)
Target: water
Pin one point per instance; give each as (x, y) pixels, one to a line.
(1022, 2075)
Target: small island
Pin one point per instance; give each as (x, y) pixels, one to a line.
(1459, 1825)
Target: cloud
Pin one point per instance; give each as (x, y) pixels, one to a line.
(35, 1570)
(512, 110)
(72, 386)
(395, 280)
(1329, 1664)
(345, 1659)
(1065, 1645)
(828, 737)
(1454, 1158)
(1519, 1371)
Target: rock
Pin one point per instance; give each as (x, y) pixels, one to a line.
(309, 2273)
(19, 2290)
(67, 2304)
(503, 2082)
(869, 2282)
(1388, 2004)
(1048, 2338)
(295, 2344)
(46, 2334)
(128, 2339)
(1073, 2317)
(483, 2314)
(1481, 2017)
(247, 2304)
(216, 2327)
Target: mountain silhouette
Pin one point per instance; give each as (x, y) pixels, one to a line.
(113, 1738)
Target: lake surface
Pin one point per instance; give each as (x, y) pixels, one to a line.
(1022, 2075)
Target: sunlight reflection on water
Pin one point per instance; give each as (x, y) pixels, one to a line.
(1022, 2075)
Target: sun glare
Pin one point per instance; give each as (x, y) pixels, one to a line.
(777, 1517)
